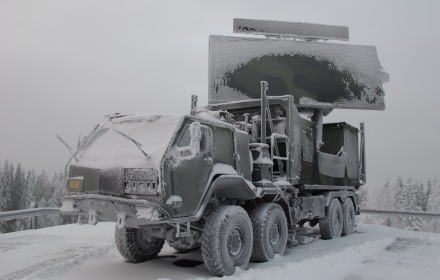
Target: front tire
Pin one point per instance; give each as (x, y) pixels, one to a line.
(331, 225)
(270, 231)
(227, 240)
(135, 246)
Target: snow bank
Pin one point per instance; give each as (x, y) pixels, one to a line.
(73, 252)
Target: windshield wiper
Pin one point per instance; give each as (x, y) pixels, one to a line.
(67, 146)
(139, 145)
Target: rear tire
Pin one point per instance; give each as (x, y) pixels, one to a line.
(349, 217)
(135, 246)
(227, 240)
(331, 225)
(270, 231)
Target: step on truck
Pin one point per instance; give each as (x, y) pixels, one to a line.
(239, 176)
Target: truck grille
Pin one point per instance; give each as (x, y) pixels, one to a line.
(141, 181)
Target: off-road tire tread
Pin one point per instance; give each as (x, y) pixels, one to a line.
(348, 206)
(218, 219)
(133, 251)
(261, 250)
(325, 223)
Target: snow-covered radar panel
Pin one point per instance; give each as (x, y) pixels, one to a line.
(293, 62)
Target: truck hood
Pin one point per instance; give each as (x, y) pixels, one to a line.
(135, 141)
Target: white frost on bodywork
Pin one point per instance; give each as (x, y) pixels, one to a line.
(264, 181)
(311, 102)
(179, 154)
(281, 183)
(121, 220)
(174, 199)
(260, 159)
(68, 206)
(221, 168)
(93, 217)
(108, 149)
(148, 214)
(230, 53)
(208, 114)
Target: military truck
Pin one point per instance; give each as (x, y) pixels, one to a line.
(237, 177)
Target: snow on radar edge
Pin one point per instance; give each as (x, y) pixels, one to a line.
(317, 74)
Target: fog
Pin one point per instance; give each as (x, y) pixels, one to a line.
(66, 64)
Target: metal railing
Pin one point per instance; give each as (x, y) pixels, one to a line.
(9, 215)
(388, 212)
(33, 213)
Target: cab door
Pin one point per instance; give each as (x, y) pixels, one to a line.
(192, 165)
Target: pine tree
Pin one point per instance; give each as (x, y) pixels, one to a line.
(8, 169)
(422, 201)
(400, 193)
(42, 220)
(386, 200)
(434, 205)
(42, 187)
(29, 198)
(428, 193)
(18, 189)
(410, 204)
(59, 189)
(3, 189)
(2, 197)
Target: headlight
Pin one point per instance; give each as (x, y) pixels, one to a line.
(75, 183)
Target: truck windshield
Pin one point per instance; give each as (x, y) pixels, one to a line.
(129, 142)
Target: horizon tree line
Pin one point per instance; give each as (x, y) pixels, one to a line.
(21, 189)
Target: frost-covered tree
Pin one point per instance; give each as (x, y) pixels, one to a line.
(59, 191)
(400, 193)
(42, 188)
(428, 192)
(8, 170)
(3, 189)
(422, 200)
(434, 205)
(18, 189)
(2, 197)
(386, 201)
(59, 188)
(410, 204)
(363, 193)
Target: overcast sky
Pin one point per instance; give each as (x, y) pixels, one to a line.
(64, 64)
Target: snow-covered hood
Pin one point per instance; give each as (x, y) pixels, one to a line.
(135, 141)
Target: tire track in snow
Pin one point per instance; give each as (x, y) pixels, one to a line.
(58, 265)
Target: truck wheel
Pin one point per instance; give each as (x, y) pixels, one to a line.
(349, 217)
(183, 248)
(135, 246)
(270, 231)
(227, 240)
(331, 225)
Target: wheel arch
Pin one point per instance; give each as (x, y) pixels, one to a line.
(224, 182)
(342, 196)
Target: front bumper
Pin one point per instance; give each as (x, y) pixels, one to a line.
(126, 212)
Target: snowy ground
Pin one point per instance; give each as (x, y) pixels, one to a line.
(88, 252)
